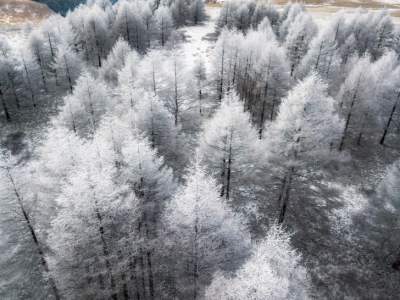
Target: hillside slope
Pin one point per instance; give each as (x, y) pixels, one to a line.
(17, 11)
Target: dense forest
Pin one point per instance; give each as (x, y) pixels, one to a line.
(268, 170)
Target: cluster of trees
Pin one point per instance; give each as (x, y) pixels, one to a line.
(155, 180)
(55, 53)
(263, 59)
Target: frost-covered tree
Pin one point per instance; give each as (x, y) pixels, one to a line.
(180, 11)
(9, 79)
(304, 131)
(322, 57)
(164, 24)
(197, 11)
(226, 61)
(273, 271)
(85, 237)
(264, 12)
(24, 262)
(300, 33)
(383, 98)
(200, 76)
(153, 184)
(204, 234)
(84, 107)
(227, 149)
(244, 15)
(151, 66)
(131, 25)
(42, 57)
(265, 77)
(90, 23)
(354, 96)
(391, 104)
(388, 192)
(287, 18)
(68, 65)
(115, 61)
(173, 93)
(374, 231)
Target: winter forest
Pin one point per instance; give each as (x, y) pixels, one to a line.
(265, 167)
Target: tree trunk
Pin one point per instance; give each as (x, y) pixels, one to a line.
(286, 196)
(106, 253)
(273, 106)
(221, 82)
(123, 278)
(229, 168)
(34, 237)
(68, 74)
(162, 33)
(5, 108)
(29, 83)
(134, 276)
(196, 263)
(151, 276)
(382, 140)
(319, 56)
(349, 117)
(260, 131)
(128, 36)
(39, 60)
(154, 81)
(176, 110)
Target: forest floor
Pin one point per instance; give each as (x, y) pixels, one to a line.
(200, 39)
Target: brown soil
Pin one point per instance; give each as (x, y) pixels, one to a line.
(19, 11)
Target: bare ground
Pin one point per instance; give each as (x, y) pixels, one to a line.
(19, 11)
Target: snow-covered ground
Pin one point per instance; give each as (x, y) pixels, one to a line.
(199, 40)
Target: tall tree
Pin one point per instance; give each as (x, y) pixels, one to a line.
(205, 234)
(304, 131)
(227, 149)
(273, 271)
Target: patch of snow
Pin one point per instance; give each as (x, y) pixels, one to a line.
(197, 44)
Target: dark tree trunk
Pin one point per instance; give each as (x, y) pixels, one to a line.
(5, 108)
(382, 140)
(346, 127)
(106, 254)
(319, 56)
(151, 276)
(229, 169)
(221, 82)
(128, 36)
(68, 75)
(176, 108)
(286, 196)
(39, 61)
(196, 263)
(34, 237)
